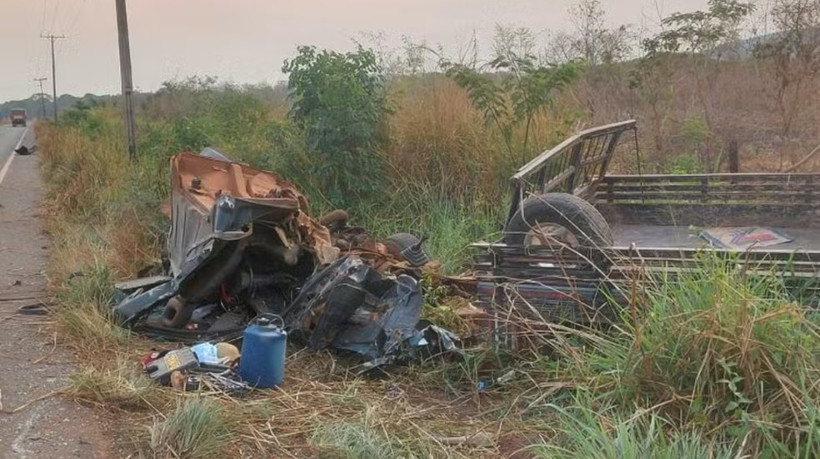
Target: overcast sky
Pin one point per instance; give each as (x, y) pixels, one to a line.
(245, 41)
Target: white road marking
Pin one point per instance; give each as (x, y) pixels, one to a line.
(18, 445)
(12, 155)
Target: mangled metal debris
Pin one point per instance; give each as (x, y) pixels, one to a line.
(242, 244)
(351, 307)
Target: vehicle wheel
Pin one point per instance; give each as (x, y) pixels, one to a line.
(398, 244)
(559, 217)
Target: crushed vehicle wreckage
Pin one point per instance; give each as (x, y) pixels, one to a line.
(242, 244)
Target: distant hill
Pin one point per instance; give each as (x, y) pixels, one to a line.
(33, 105)
(745, 48)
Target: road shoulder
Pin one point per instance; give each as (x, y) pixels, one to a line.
(33, 366)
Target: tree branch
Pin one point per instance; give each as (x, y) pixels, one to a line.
(804, 160)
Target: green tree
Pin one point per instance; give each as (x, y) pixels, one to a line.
(339, 101)
(794, 55)
(703, 35)
(590, 40)
(514, 91)
(702, 38)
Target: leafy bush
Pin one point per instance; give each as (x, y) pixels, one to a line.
(84, 118)
(339, 100)
(684, 164)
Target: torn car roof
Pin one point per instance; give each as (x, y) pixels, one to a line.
(197, 184)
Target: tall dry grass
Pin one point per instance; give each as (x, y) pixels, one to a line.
(742, 106)
(92, 216)
(440, 140)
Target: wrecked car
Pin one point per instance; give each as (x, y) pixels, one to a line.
(350, 306)
(239, 237)
(242, 244)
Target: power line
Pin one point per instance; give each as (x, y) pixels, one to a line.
(53, 70)
(42, 97)
(54, 17)
(43, 19)
(76, 17)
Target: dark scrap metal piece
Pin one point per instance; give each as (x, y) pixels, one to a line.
(351, 307)
(141, 302)
(341, 302)
(141, 283)
(23, 150)
(226, 219)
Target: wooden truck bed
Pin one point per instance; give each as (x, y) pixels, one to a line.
(672, 210)
(655, 222)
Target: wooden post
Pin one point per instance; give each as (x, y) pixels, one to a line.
(53, 70)
(127, 82)
(734, 160)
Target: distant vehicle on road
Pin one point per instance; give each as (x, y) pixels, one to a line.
(18, 117)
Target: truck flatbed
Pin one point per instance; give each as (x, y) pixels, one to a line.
(574, 231)
(659, 236)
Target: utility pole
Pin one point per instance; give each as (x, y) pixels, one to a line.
(52, 37)
(42, 97)
(127, 81)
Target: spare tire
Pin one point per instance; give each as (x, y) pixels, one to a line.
(580, 223)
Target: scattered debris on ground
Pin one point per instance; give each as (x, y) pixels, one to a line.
(196, 368)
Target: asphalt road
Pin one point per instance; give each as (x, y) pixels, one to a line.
(34, 422)
(9, 137)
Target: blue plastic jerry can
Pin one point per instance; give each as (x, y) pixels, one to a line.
(264, 345)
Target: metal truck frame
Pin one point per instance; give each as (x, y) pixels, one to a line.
(577, 237)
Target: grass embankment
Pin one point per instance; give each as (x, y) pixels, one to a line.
(715, 365)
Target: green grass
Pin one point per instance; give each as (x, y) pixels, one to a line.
(714, 354)
(581, 431)
(353, 441)
(450, 226)
(124, 386)
(195, 429)
(85, 313)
